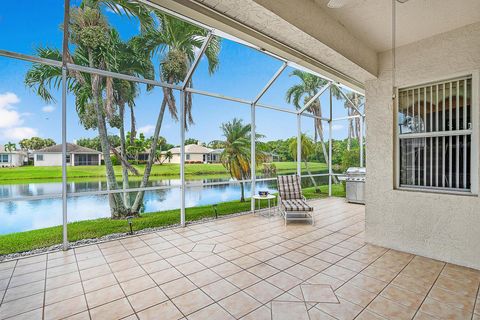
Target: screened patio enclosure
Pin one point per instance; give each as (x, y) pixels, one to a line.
(300, 118)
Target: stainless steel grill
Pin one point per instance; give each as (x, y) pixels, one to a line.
(355, 184)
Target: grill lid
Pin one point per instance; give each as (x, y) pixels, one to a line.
(356, 171)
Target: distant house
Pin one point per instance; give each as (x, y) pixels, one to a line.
(76, 156)
(195, 153)
(271, 157)
(142, 156)
(15, 158)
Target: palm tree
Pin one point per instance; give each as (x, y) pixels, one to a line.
(303, 92)
(353, 124)
(10, 146)
(308, 148)
(176, 41)
(94, 46)
(168, 155)
(236, 154)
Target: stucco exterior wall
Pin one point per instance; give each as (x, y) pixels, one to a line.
(49, 160)
(440, 226)
(193, 157)
(14, 160)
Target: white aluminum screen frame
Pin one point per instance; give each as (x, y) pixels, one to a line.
(474, 133)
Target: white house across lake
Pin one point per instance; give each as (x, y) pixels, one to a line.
(195, 153)
(13, 158)
(76, 156)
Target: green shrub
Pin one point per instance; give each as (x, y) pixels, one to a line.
(115, 160)
(350, 159)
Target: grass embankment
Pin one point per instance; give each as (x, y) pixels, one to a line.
(29, 240)
(52, 174)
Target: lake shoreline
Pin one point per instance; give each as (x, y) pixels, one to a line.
(97, 228)
(29, 174)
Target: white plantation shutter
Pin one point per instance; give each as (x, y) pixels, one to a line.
(435, 135)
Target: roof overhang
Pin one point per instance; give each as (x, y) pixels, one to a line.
(329, 63)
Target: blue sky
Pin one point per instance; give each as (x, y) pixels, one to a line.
(243, 72)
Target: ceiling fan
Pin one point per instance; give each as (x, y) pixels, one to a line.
(335, 4)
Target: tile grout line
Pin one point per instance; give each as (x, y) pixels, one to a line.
(169, 299)
(477, 300)
(225, 259)
(297, 263)
(388, 283)
(334, 264)
(119, 283)
(8, 283)
(45, 287)
(81, 283)
(429, 290)
(344, 257)
(185, 276)
(243, 269)
(280, 239)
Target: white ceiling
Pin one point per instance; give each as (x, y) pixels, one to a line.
(371, 20)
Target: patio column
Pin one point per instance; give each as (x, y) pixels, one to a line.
(362, 119)
(182, 158)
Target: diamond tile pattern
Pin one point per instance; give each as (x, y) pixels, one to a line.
(244, 267)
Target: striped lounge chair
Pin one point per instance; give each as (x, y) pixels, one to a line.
(291, 201)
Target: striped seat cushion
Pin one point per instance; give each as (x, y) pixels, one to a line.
(296, 205)
(289, 187)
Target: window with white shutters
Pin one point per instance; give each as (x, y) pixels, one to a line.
(435, 135)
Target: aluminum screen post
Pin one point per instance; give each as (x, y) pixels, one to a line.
(299, 145)
(182, 158)
(252, 157)
(330, 147)
(64, 157)
(66, 18)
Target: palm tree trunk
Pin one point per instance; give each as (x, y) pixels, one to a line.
(317, 189)
(133, 129)
(126, 197)
(350, 124)
(146, 175)
(318, 124)
(117, 207)
(242, 188)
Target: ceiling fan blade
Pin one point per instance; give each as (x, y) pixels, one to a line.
(334, 4)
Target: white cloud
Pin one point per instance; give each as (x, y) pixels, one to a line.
(48, 108)
(11, 120)
(337, 127)
(8, 99)
(147, 130)
(19, 133)
(9, 117)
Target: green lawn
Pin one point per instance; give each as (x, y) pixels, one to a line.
(44, 174)
(28, 240)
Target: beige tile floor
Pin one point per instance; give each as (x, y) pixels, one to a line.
(245, 267)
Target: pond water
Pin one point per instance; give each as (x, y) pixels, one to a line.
(16, 216)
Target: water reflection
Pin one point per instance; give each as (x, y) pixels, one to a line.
(35, 214)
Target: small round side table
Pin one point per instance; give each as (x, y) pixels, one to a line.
(269, 198)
